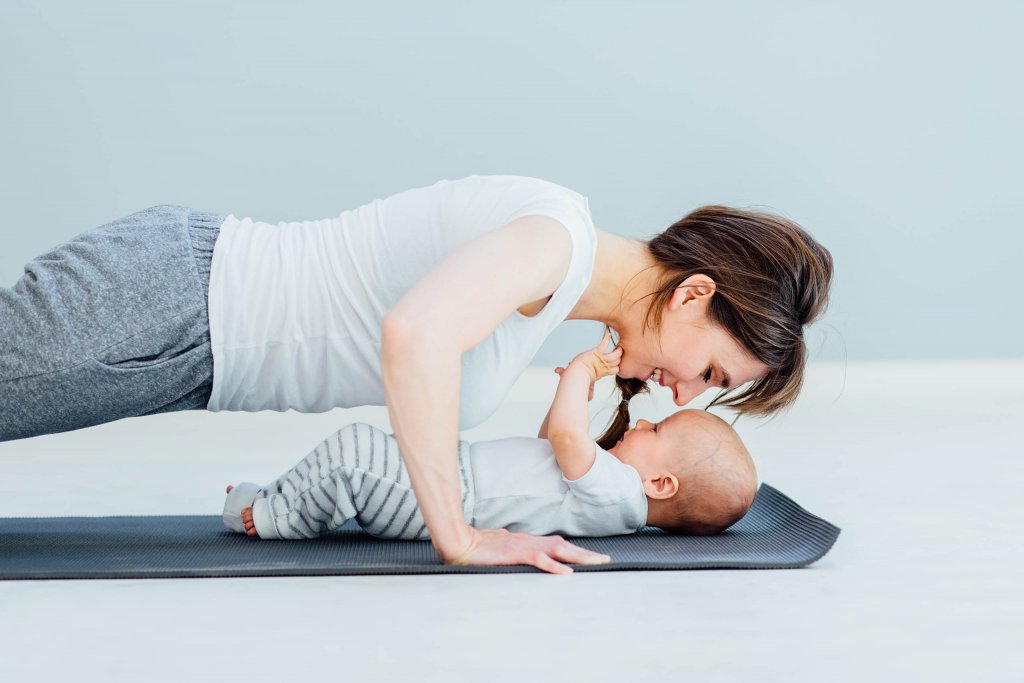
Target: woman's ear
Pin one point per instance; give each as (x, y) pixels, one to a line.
(661, 487)
(696, 288)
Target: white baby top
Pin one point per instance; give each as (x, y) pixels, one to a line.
(520, 488)
(296, 308)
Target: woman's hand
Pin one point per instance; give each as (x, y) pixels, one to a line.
(502, 547)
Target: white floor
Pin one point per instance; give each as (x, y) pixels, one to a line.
(919, 463)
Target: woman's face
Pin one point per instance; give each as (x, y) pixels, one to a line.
(689, 354)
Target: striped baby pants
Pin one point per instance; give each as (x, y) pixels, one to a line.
(356, 473)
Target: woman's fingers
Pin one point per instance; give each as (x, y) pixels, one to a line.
(574, 554)
(547, 564)
(499, 547)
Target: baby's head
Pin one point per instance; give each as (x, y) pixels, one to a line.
(698, 476)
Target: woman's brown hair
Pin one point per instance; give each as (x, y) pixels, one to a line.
(771, 278)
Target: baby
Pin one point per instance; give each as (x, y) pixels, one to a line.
(690, 473)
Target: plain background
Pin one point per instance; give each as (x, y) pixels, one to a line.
(892, 131)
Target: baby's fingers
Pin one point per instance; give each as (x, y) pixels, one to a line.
(612, 357)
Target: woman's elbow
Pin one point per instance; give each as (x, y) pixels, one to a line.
(395, 330)
(403, 336)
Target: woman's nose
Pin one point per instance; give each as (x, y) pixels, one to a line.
(643, 424)
(684, 392)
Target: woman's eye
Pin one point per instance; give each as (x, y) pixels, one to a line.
(707, 376)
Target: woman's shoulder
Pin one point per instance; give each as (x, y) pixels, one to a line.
(527, 184)
(525, 195)
(493, 199)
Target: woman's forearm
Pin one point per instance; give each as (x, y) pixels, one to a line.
(422, 376)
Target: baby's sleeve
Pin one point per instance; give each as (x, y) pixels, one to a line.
(607, 481)
(609, 499)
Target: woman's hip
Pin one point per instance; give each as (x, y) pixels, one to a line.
(111, 323)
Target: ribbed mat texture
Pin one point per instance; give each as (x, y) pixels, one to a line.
(775, 534)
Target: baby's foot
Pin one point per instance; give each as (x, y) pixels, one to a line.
(250, 526)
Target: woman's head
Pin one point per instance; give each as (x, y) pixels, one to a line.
(736, 287)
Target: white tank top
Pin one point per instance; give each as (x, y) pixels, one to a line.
(296, 308)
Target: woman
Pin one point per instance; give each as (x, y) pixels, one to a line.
(431, 301)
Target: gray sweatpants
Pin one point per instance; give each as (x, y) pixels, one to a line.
(356, 473)
(110, 324)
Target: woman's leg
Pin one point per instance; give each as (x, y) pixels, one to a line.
(110, 324)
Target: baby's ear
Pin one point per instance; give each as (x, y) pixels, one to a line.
(661, 487)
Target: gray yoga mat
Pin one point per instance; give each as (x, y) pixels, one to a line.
(775, 534)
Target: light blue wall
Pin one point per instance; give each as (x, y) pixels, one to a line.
(893, 131)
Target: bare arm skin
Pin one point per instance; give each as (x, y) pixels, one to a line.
(568, 423)
(453, 308)
(542, 433)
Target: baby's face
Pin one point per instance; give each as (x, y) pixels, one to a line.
(651, 448)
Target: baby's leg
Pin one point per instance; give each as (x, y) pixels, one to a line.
(355, 473)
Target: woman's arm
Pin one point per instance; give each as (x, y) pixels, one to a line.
(452, 309)
(569, 419)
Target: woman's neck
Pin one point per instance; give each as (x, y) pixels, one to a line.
(624, 271)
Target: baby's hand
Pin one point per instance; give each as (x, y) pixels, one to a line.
(597, 362)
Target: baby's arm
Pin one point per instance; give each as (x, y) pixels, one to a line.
(543, 433)
(568, 421)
